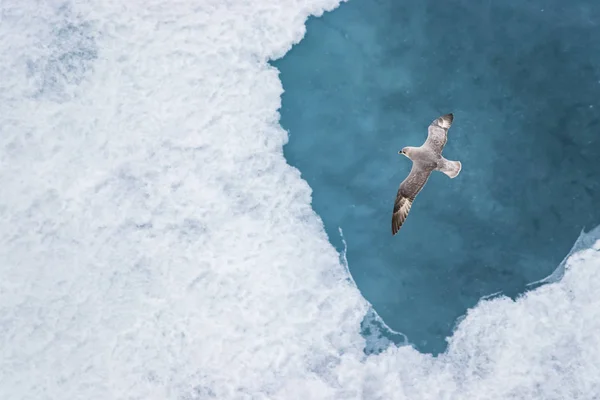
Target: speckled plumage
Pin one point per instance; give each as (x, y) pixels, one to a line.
(426, 159)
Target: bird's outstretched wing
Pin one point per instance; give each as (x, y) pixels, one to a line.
(409, 189)
(437, 133)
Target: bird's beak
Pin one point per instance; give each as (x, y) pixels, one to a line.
(399, 152)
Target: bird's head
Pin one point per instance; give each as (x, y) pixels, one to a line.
(405, 151)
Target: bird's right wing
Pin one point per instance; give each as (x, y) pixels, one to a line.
(408, 190)
(437, 133)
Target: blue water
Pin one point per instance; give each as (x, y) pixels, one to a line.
(523, 82)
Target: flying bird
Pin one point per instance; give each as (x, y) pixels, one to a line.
(425, 159)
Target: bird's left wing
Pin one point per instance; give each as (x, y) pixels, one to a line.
(408, 190)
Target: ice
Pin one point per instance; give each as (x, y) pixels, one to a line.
(155, 244)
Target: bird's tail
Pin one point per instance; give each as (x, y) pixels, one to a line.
(450, 168)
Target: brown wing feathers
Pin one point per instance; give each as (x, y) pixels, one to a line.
(408, 190)
(402, 206)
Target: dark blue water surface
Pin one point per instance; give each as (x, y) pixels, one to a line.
(523, 82)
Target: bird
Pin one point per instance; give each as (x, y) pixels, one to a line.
(425, 159)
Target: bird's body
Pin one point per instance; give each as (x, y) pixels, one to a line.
(426, 159)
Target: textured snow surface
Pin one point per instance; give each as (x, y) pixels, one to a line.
(154, 244)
